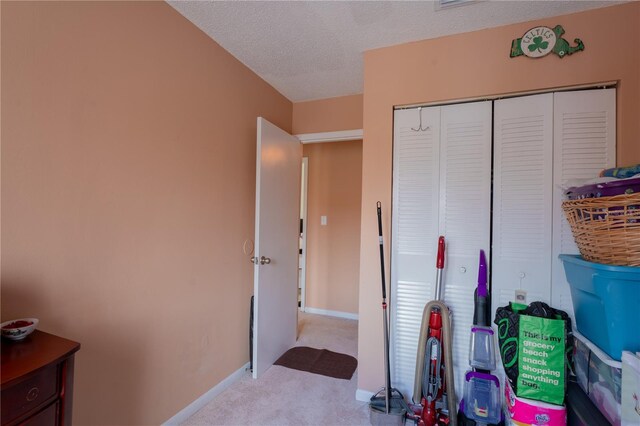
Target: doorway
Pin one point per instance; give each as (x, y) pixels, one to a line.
(331, 189)
(276, 255)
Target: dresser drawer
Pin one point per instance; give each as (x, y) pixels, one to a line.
(46, 417)
(29, 393)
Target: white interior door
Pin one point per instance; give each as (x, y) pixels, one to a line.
(441, 186)
(464, 214)
(414, 244)
(522, 199)
(279, 158)
(584, 143)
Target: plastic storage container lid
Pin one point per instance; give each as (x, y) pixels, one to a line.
(599, 352)
(578, 260)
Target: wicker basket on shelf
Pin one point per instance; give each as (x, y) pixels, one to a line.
(606, 229)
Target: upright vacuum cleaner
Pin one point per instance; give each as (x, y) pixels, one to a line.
(387, 407)
(481, 404)
(434, 386)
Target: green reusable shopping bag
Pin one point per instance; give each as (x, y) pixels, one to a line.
(541, 359)
(536, 345)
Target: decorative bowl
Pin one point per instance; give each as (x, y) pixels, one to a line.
(18, 329)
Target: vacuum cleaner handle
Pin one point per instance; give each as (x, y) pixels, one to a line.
(481, 295)
(440, 258)
(439, 268)
(384, 286)
(480, 314)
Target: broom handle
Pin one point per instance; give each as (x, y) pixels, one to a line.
(387, 367)
(384, 287)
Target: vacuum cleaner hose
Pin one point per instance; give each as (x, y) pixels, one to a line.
(447, 337)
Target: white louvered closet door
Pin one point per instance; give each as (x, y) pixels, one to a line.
(584, 144)
(441, 186)
(522, 198)
(414, 225)
(465, 214)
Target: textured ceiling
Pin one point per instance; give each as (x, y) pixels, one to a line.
(313, 49)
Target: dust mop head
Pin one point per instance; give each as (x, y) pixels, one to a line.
(378, 415)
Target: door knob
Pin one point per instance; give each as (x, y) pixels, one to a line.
(264, 260)
(253, 260)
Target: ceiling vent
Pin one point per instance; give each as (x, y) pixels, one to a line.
(448, 4)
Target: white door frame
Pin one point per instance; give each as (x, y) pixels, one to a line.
(339, 136)
(303, 215)
(305, 138)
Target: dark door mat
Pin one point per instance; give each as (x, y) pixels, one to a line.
(319, 361)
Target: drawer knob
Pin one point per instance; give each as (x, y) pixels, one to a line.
(33, 394)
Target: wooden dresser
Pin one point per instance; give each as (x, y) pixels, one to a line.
(37, 380)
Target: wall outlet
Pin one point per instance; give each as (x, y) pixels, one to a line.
(521, 297)
(323, 220)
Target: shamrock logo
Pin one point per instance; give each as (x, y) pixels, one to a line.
(539, 41)
(538, 44)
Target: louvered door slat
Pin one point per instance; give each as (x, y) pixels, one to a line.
(584, 144)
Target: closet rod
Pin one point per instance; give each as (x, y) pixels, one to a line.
(602, 85)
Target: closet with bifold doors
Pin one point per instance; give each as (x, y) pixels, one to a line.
(487, 175)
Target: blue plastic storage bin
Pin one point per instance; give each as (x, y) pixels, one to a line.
(606, 302)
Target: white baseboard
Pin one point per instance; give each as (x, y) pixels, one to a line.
(347, 315)
(203, 400)
(363, 395)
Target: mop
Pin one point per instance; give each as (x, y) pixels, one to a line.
(387, 406)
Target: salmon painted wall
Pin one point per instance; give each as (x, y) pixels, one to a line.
(333, 250)
(128, 189)
(328, 115)
(470, 65)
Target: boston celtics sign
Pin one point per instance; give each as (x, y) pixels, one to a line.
(540, 41)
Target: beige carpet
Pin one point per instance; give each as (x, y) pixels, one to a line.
(283, 396)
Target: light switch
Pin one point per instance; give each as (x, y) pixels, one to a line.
(323, 220)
